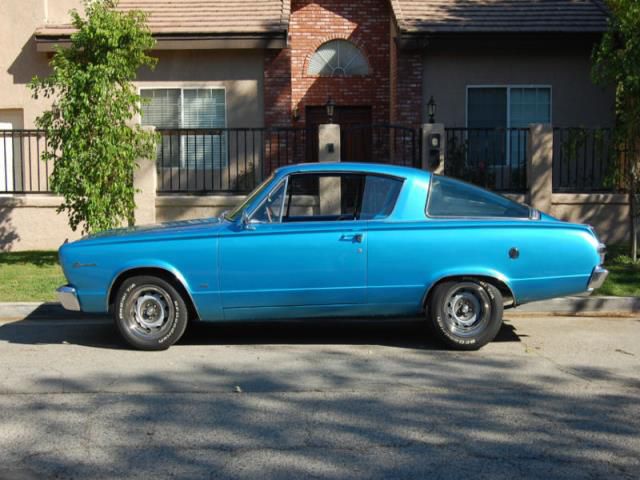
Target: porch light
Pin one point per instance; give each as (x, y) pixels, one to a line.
(431, 110)
(330, 106)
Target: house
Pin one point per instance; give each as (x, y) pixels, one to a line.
(262, 72)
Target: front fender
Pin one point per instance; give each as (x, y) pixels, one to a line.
(147, 263)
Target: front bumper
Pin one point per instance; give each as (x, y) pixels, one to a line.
(598, 276)
(68, 298)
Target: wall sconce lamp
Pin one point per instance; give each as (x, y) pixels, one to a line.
(431, 110)
(330, 106)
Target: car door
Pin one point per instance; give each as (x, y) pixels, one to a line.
(300, 250)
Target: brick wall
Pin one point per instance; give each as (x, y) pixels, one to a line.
(277, 88)
(408, 100)
(313, 22)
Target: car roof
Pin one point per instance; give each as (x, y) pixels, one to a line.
(373, 168)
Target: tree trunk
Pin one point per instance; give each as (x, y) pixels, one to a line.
(634, 225)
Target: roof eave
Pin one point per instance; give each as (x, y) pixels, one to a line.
(186, 41)
(432, 39)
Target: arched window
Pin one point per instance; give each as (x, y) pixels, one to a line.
(338, 58)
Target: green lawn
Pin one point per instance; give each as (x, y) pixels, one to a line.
(29, 276)
(624, 276)
(34, 276)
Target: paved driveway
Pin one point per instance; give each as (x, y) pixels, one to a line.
(552, 398)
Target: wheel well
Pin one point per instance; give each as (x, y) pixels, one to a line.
(507, 295)
(154, 272)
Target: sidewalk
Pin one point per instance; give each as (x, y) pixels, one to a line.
(559, 306)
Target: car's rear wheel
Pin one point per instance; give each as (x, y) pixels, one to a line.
(150, 313)
(466, 315)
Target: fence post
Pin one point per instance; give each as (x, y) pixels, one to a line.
(145, 179)
(540, 166)
(329, 142)
(329, 151)
(433, 156)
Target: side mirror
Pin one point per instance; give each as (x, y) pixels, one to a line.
(245, 221)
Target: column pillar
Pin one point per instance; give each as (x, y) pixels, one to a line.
(145, 180)
(540, 166)
(433, 156)
(329, 151)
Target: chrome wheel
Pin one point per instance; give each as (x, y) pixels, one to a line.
(467, 311)
(151, 312)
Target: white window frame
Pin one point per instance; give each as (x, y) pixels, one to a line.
(508, 88)
(224, 162)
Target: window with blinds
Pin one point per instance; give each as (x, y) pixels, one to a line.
(188, 109)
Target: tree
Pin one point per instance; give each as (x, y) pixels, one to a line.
(617, 61)
(91, 138)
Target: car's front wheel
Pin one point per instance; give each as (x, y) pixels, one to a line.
(150, 313)
(466, 315)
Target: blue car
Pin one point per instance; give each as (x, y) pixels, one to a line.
(336, 240)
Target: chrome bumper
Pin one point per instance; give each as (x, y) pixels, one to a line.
(598, 276)
(68, 298)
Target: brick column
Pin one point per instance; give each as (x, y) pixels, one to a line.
(540, 166)
(145, 180)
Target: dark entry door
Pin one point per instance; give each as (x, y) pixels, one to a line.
(356, 136)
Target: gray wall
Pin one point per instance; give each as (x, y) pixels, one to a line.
(576, 101)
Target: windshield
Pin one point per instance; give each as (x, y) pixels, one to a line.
(234, 214)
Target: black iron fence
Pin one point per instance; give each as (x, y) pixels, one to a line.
(494, 158)
(236, 160)
(225, 160)
(584, 160)
(21, 169)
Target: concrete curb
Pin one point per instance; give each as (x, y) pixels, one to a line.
(37, 310)
(583, 305)
(558, 306)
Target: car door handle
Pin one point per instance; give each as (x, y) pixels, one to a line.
(352, 237)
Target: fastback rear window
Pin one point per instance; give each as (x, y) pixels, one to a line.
(453, 198)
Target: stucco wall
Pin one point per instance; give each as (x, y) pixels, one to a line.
(31, 223)
(608, 213)
(239, 72)
(576, 101)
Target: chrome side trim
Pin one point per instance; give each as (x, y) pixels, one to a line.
(598, 276)
(68, 298)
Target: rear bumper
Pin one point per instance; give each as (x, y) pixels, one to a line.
(68, 297)
(598, 276)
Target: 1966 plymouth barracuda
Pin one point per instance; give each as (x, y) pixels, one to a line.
(336, 240)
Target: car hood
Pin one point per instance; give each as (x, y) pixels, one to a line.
(185, 228)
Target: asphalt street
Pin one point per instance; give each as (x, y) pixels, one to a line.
(552, 397)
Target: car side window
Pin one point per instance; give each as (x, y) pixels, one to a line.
(272, 208)
(323, 197)
(453, 198)
(380, 196)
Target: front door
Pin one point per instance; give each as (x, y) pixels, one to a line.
(304, 247)
(356, 135)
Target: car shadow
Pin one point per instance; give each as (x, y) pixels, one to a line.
(99, 332)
